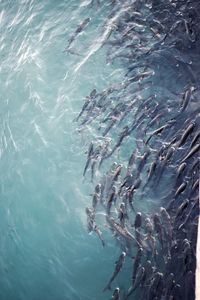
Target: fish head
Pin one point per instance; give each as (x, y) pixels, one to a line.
(123, 255)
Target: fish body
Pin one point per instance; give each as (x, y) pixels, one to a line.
(96, 196)
(156, 132)
(156, 286)
(122, 215)
(120, 230)
(180, 189)
(170, 283)
(138, 279)
(151, 172)
(182, 207)
(136, 264)
(195, 149)
(194, 140)
(143, 161)
(111, 199)
(138, 220)
(131, 160)
(166, 222)
(79, 29)
(180, 169)
(187, 97)
(99, 234)
(186, 133)
(89, 157)
(117, 172)
(158, 229)
(118, 265)
(122, 135)
(90, 219)
(116, 294)
(148, 275)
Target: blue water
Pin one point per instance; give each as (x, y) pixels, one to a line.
(45, 251)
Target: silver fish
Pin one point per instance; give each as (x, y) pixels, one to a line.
(118, 265)
(116, 294)
(79, 29)
(195, 149)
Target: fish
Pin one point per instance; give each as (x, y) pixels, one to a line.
(151, 172)
(193, 210)
(166, 221)
(138, 279)
(189, 285)
(180, 169)
(139, 276)
(99, 234)
(169, 154)
(156, 286)
(194, 149)
(150, 43)
(96, 196)
(187, 97)
(180, 189)
(122, 135)
(136, 264)
(155, 132)
(194, 140)
(148, 275)
(111, 199)
(195, 186)
(131, 160)
(117, 172)
(122, 215)
(89, 156)
(186, 133)
(138, 221)
(176, 292)
(170, 283)
(79, 29)
(116, 294)
(154, 120)
(148, 226)
(158, 229)
(104, 152)
(118, 266)
(90, 219)
(143, 161)
(109, 127)
(95, 155)
(127, 182)
(182, 207)
(122, 231)
(88, 100)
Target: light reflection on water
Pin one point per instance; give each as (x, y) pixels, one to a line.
(45, 251)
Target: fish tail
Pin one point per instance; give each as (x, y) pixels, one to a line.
(103, 243)
(107, 287)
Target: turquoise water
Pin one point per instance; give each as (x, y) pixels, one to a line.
(45, 251)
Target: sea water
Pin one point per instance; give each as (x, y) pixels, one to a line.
(45, 250)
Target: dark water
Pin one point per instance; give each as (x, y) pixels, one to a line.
(45, 250)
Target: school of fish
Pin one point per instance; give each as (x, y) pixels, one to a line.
(152, 121)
